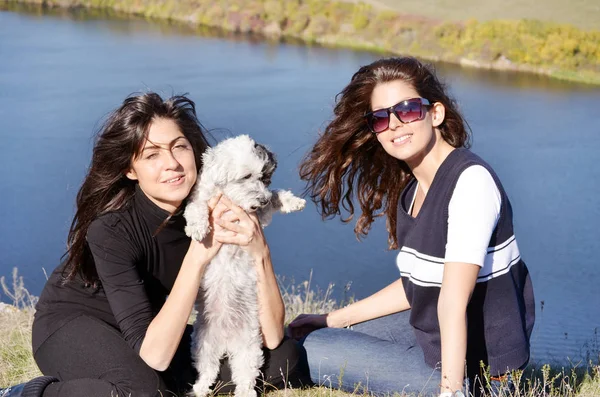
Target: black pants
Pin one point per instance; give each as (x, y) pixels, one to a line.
(91, 359)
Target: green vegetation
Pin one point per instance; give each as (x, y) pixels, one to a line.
(527, 42)
(559, 50)
(17, 364)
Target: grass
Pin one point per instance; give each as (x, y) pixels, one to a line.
(16, 361)
(17, 364)
(585, 14)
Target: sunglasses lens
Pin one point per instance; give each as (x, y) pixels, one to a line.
(409, 111)
(379, 121)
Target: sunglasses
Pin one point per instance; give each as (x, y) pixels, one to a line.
(406, 111)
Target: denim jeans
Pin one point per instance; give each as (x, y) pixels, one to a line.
(381, 356)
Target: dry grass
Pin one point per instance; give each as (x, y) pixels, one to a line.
(303, 298)
(17, 365)
(585, 14)
(16, 361)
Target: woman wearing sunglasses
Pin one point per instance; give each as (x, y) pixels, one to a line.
(398, 145)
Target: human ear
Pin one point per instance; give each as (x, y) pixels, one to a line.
(131, 174)
(438, 113)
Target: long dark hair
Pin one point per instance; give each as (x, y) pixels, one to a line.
(105, 187)
(348, 153)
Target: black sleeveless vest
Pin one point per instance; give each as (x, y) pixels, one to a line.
(500, 314)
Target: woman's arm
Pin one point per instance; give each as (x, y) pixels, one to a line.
(457, 286)
(391, 299)
(154, 338)
(270, 303)
(166, 329)
(473, 213)
(244, 230)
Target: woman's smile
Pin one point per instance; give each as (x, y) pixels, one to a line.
(402, 139)
(178, 180)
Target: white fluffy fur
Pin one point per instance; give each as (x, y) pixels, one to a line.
(227, 322)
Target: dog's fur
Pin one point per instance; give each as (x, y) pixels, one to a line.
(227, 322)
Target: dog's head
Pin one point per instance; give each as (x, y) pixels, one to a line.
(241, 169)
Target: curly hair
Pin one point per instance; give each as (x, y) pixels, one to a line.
(119, 142)
(348, 154)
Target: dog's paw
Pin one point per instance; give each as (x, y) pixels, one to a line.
(244, 393)
(196, 233)
(200, 390)
(289, 202)
(197, 220)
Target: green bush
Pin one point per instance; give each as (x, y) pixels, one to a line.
(535, 43)
(361, 16)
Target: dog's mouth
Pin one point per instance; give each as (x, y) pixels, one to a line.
(261, 204)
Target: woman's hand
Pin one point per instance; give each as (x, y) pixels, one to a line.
(304, 324)
(240, 228)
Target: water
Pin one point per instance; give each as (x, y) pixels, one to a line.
(61, 73)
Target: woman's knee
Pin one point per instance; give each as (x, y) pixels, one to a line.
(326, 341)
(143, 382)
(287, 348)
(285, 365)
(284, 356)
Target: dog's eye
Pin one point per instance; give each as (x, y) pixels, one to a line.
(247, 176)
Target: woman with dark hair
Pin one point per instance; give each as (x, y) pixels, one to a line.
(398, 145)
(112, 318)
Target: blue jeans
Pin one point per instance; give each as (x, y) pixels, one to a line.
(380, 355)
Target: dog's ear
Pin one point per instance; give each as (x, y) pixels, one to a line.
(216, 168)
(209, 166)
(208, 157)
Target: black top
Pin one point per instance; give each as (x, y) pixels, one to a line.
(501, 312)
(136, 269)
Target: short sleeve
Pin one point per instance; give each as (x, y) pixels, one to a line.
(115, 257)
(473, 213)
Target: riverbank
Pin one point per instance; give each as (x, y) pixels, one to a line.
(558, 50)
(17, 364)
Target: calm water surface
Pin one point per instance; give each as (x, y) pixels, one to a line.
(61, 74)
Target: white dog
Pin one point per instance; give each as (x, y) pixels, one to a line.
(227, 322)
